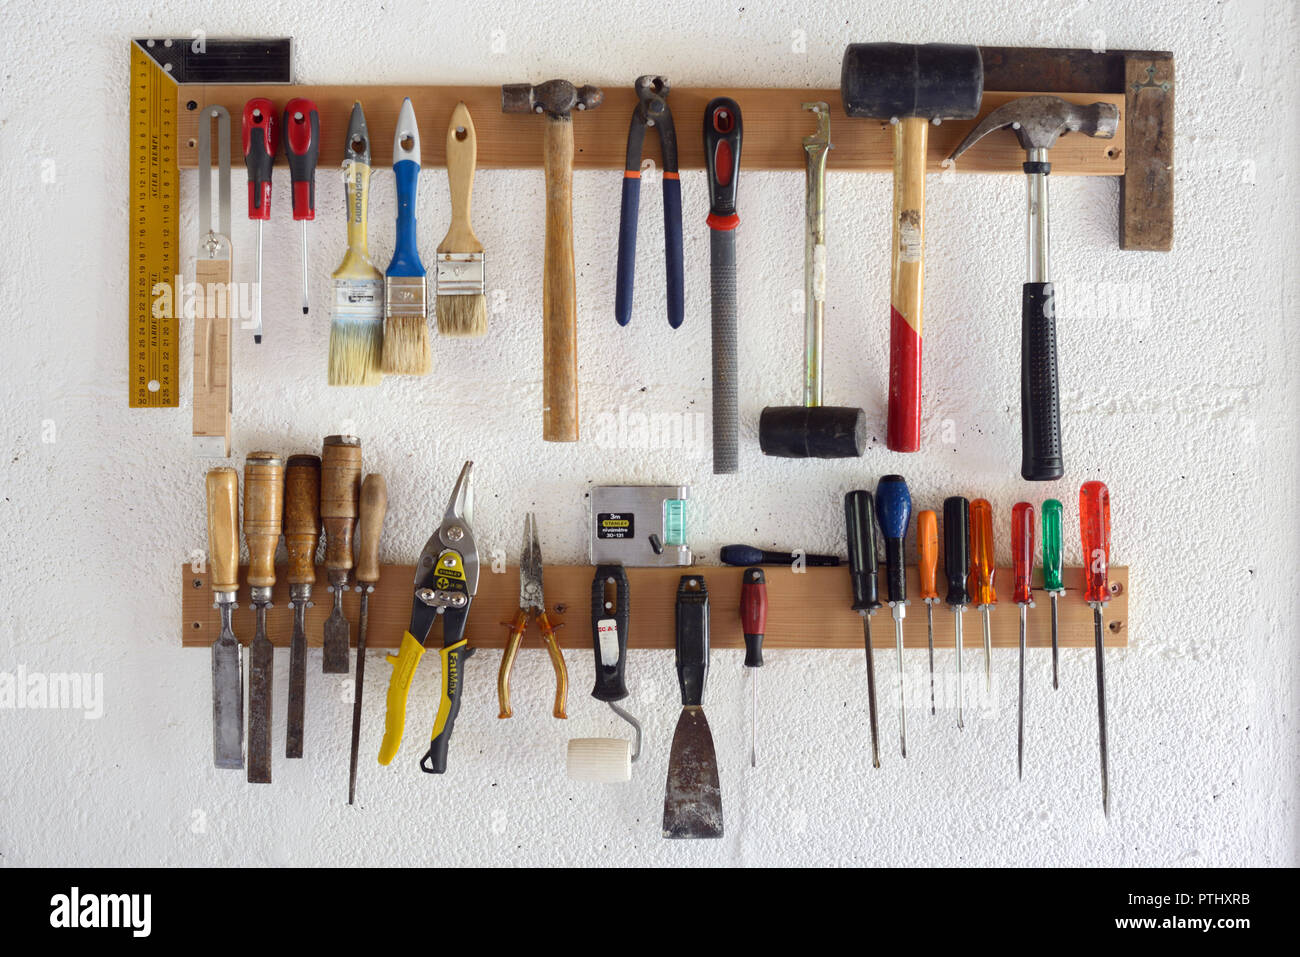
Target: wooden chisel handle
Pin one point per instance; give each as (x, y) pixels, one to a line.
(374, 505)
(263, 513)
(340, 486)
(223, 528)
(559, 296)
(302, 517)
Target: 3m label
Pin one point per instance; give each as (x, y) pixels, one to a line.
(615, 526)
(607, 640)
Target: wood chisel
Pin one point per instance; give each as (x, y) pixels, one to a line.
(227, 655)
(1094, 529)
(693, 794)
(374, 506)
(357, 327)
(1022, 569)
(340, 485)
(212, 271)
(722, 139)
(263, 509)
(261, 138)
(301, 149)
(301, 535)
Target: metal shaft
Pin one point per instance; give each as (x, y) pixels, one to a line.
(1037, 225)
(956, 630)
(902, 698)
(1101, 708)
(257, 299)
(871, 691)
(301, 599)
(1020, 713)
(304, 267)
(929, 635)
(988, 649)
(1056, 648)
(753, 719)
(356, 689)
(814, 256)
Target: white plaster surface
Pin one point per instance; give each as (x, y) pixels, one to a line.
(1182, 397)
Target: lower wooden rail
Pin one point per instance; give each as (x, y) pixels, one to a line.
(810, 609)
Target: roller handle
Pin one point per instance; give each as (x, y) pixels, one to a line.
(260, 136)
(927, 551)
(340, 489)
(1022, 552)
(860, 524)
(611, 605)
(223, 528)
(692, 615)
(302, 517)
(263, 515)
(753, 614)
(894, 513)
(1040, 399)
(302, 150)
(374, 506)
(956, 548)
(626, 275)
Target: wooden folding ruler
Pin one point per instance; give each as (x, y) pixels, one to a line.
(158, 68)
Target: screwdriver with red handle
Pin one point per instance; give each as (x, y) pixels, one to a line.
(982, 570)
(1022, 569)
(301, 149)
(1094, 526)
(261, 137)
(753, 619)
(927, 550)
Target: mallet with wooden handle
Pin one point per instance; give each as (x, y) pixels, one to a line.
(263, 512)
(556, 99)
(301, 534)
(340, 484)
(374, 505)
(227, 656)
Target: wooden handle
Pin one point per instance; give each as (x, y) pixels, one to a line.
(374, 505)
(302, 517)
(911, 136)
(559, 297)
(212, 399)
(462, 155)
(340, 485)
(223, 528)
(263, 512)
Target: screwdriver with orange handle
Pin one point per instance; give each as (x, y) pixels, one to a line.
(927, 549)
(1094, 526)
(982, 570)
(1022, 570)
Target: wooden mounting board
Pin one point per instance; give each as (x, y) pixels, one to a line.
(807, 610)
(775, 125)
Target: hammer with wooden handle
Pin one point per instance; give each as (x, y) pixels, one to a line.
(557, 99)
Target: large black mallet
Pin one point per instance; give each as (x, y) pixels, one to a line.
(813, 430)
(911, 86)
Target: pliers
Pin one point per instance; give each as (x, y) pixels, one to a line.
(446, 580)
(651, 111)
(532, 604)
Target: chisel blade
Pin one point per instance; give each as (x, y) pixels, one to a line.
(297, 681)
(227, 702)
(261, 660)
(338, 634)
(693, 796)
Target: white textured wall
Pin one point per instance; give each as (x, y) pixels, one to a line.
(1184, 403)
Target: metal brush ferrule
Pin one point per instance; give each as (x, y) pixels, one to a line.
(405, 296)
(460, 274)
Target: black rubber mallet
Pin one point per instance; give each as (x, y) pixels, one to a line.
(813, 430)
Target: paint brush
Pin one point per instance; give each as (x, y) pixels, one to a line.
(462, 307)
(406, 331)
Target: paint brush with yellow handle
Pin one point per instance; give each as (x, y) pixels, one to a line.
(357, 332)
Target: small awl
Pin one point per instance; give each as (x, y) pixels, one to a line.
(301, 535)
(374, 506)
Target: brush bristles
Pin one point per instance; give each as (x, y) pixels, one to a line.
(462, 315)
(406, 346)
(355, 351)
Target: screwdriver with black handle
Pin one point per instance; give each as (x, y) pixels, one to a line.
(1052, 562)
(860, 522)
(956, 569)
(263, 513)
(301, 149)
(1094, 528)
(753, 619)
(749, 555)
(301, 535)
(982, 570)
(894, 511)
(927, 565)
(260, 137)
(374, 506)
(1022, 570)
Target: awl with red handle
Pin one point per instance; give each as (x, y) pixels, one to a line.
(301, 149)
(753, 618)
(260, 136)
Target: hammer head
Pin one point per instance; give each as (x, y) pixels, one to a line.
(1039, 120)
(554, 98)
(816, 432)
(935, 80)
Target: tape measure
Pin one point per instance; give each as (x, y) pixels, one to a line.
(155, 240)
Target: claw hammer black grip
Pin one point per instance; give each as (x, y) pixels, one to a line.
(1040, 399)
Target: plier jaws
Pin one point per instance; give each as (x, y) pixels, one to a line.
(532, 605)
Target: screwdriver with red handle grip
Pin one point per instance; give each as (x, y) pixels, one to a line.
(1022, 569)
(1094, 526)
(982, 570)
(753, 618)
(927, 564)
(301, 149)
(261, 137)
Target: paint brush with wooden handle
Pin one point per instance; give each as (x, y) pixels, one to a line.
(462, 307)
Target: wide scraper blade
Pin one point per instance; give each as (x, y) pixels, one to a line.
(693, 797)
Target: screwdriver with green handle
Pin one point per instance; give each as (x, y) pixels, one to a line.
(1022, 570)
(1052, 561)
(1094, 528)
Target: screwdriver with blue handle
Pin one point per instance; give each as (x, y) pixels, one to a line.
(1094, 528)
(894, 511)
(1022, 569)
(860, 522)
(1052, 562)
